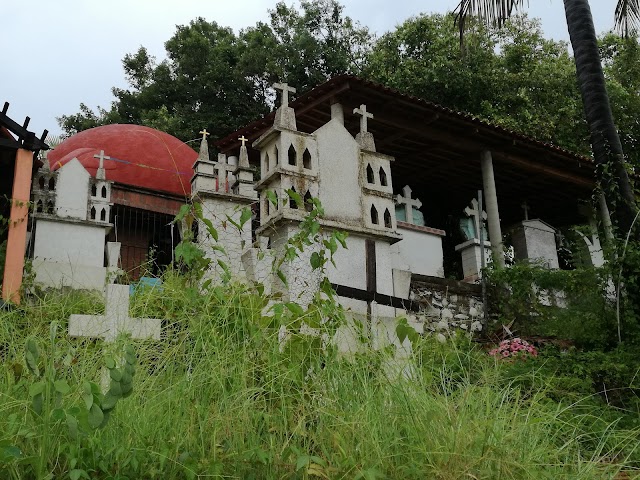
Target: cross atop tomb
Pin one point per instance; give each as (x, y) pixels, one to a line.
(115, 320)
(285, 93)
(410, 203)
(100, 175)
(364, 116)
(204, 134)
(243, 139)
(474, 212)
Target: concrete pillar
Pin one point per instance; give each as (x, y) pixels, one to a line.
(17, 239)
(493, 216)
(337, 112)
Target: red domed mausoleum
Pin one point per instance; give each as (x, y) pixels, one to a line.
(151, 171)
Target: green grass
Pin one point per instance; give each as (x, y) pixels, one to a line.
(221, 397)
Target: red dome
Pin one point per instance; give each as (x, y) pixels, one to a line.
(139, 156)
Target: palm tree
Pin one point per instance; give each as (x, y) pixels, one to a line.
(605, 141)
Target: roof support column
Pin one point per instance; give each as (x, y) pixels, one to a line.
(17, 238)
(493, 216)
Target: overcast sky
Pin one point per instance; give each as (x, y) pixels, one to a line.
(57, 54)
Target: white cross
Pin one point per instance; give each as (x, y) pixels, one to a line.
(115, 320)
(474, 212)
(410, 203)
(243, 140)
(102, 158)
(204, 134)
(363, 119)
(285, 92)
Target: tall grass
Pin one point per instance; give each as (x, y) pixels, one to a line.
(220, 396)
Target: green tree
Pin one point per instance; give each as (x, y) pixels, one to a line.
(605, 141)
(538, 95)
(216, 79)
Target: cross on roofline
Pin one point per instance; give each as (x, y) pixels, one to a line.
(364, 116)
(204, 133)
(102, 157)
(243, 139)
(285, 92)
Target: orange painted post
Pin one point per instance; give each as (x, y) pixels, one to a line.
(17, 240)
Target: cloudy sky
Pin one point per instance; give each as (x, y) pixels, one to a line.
(57, 54)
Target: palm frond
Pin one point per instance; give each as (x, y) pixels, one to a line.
(493, 13)
(627, 16)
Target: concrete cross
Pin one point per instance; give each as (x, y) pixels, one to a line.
(473, 212)
(364, 116)
(410, 203)
(102, 158)
(204, 134)
(115, 321)
(243, 140)
(285, 92)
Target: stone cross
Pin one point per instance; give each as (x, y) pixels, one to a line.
(204, 134)
(100, 175)
(115, 320)
(243, 140)
(474, 212)
(285, 93)
(410, 203)
(364, 116)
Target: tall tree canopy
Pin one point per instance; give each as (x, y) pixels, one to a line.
(215, 78)
(605, 141)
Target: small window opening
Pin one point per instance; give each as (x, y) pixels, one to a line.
(308, 203)
(103, 192)
(50, 208)
(306, 159)
(41, 183)
(266, 206)
(93, 213)
(52, 184)
(387, 219)
(94, 190)
(39, 206)
(103, 215)
(292, 202)
(374, 215)
(276, 154)
(383, 177)
(370, 177)
(266, 162)
(293, 156)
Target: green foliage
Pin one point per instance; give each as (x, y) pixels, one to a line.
(538, 95)
(568, 304)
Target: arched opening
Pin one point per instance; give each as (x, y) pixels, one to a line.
(41, 183)
(292, 202)
(374, 215)
(39, 206)
(277, 157)
(387, 219)
(293, 156)
(50, 208)
(94, 190)
(103, 192)
(383, 177)
(103, 215)
(52, 184)
(370, 177)
(266, 207)
(92, 213)
(266, 162)
(306, 159)
(308, 203)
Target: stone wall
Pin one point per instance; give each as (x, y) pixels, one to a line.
(447, 305)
